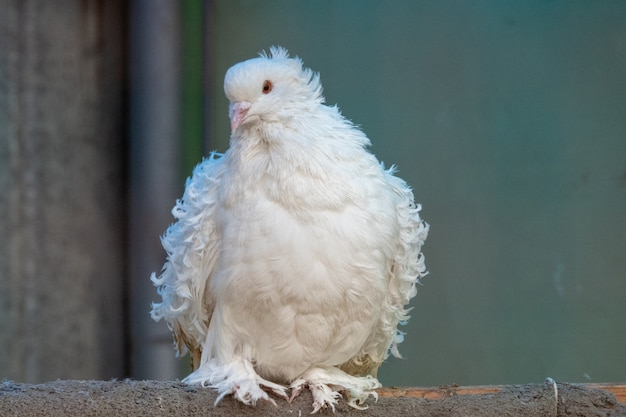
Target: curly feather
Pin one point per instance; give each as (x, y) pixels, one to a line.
(192, 253)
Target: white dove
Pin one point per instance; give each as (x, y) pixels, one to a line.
(295, 253)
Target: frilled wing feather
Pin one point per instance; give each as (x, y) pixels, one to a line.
(192, 246)
(407, 267)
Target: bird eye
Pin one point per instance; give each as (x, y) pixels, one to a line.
(267, 86)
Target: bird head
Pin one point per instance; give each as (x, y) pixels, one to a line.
(270, 89)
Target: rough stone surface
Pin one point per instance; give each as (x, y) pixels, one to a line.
(170, 398)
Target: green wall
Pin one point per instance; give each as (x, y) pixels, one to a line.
(509, 120)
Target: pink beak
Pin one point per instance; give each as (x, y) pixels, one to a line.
(237, 113)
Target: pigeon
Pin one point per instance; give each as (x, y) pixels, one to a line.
(295, 253)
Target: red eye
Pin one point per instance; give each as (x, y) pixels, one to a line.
(267, 86)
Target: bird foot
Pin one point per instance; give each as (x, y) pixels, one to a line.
(323, 397)
(237, 378)
(249, 392)
(320, 381)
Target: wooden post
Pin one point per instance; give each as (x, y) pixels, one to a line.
(62, 200)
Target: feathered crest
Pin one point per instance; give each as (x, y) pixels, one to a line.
(276, 52)
(310, 77)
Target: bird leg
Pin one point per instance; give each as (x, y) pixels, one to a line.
(238, 378)
(321, 382)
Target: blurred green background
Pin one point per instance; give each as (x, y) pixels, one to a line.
(509, 121)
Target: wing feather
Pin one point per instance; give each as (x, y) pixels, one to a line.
(192, 245)
(407, 267)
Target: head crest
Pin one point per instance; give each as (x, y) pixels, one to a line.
(276, 52)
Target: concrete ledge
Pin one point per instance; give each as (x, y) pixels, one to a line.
(168, 398)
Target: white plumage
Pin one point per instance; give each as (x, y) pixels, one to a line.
(295, 253)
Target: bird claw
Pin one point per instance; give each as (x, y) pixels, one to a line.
(294, 394)
(250, 394)
(271, 401)
(323, 397)
(317, 407)
(279, 391)
(296, 388)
